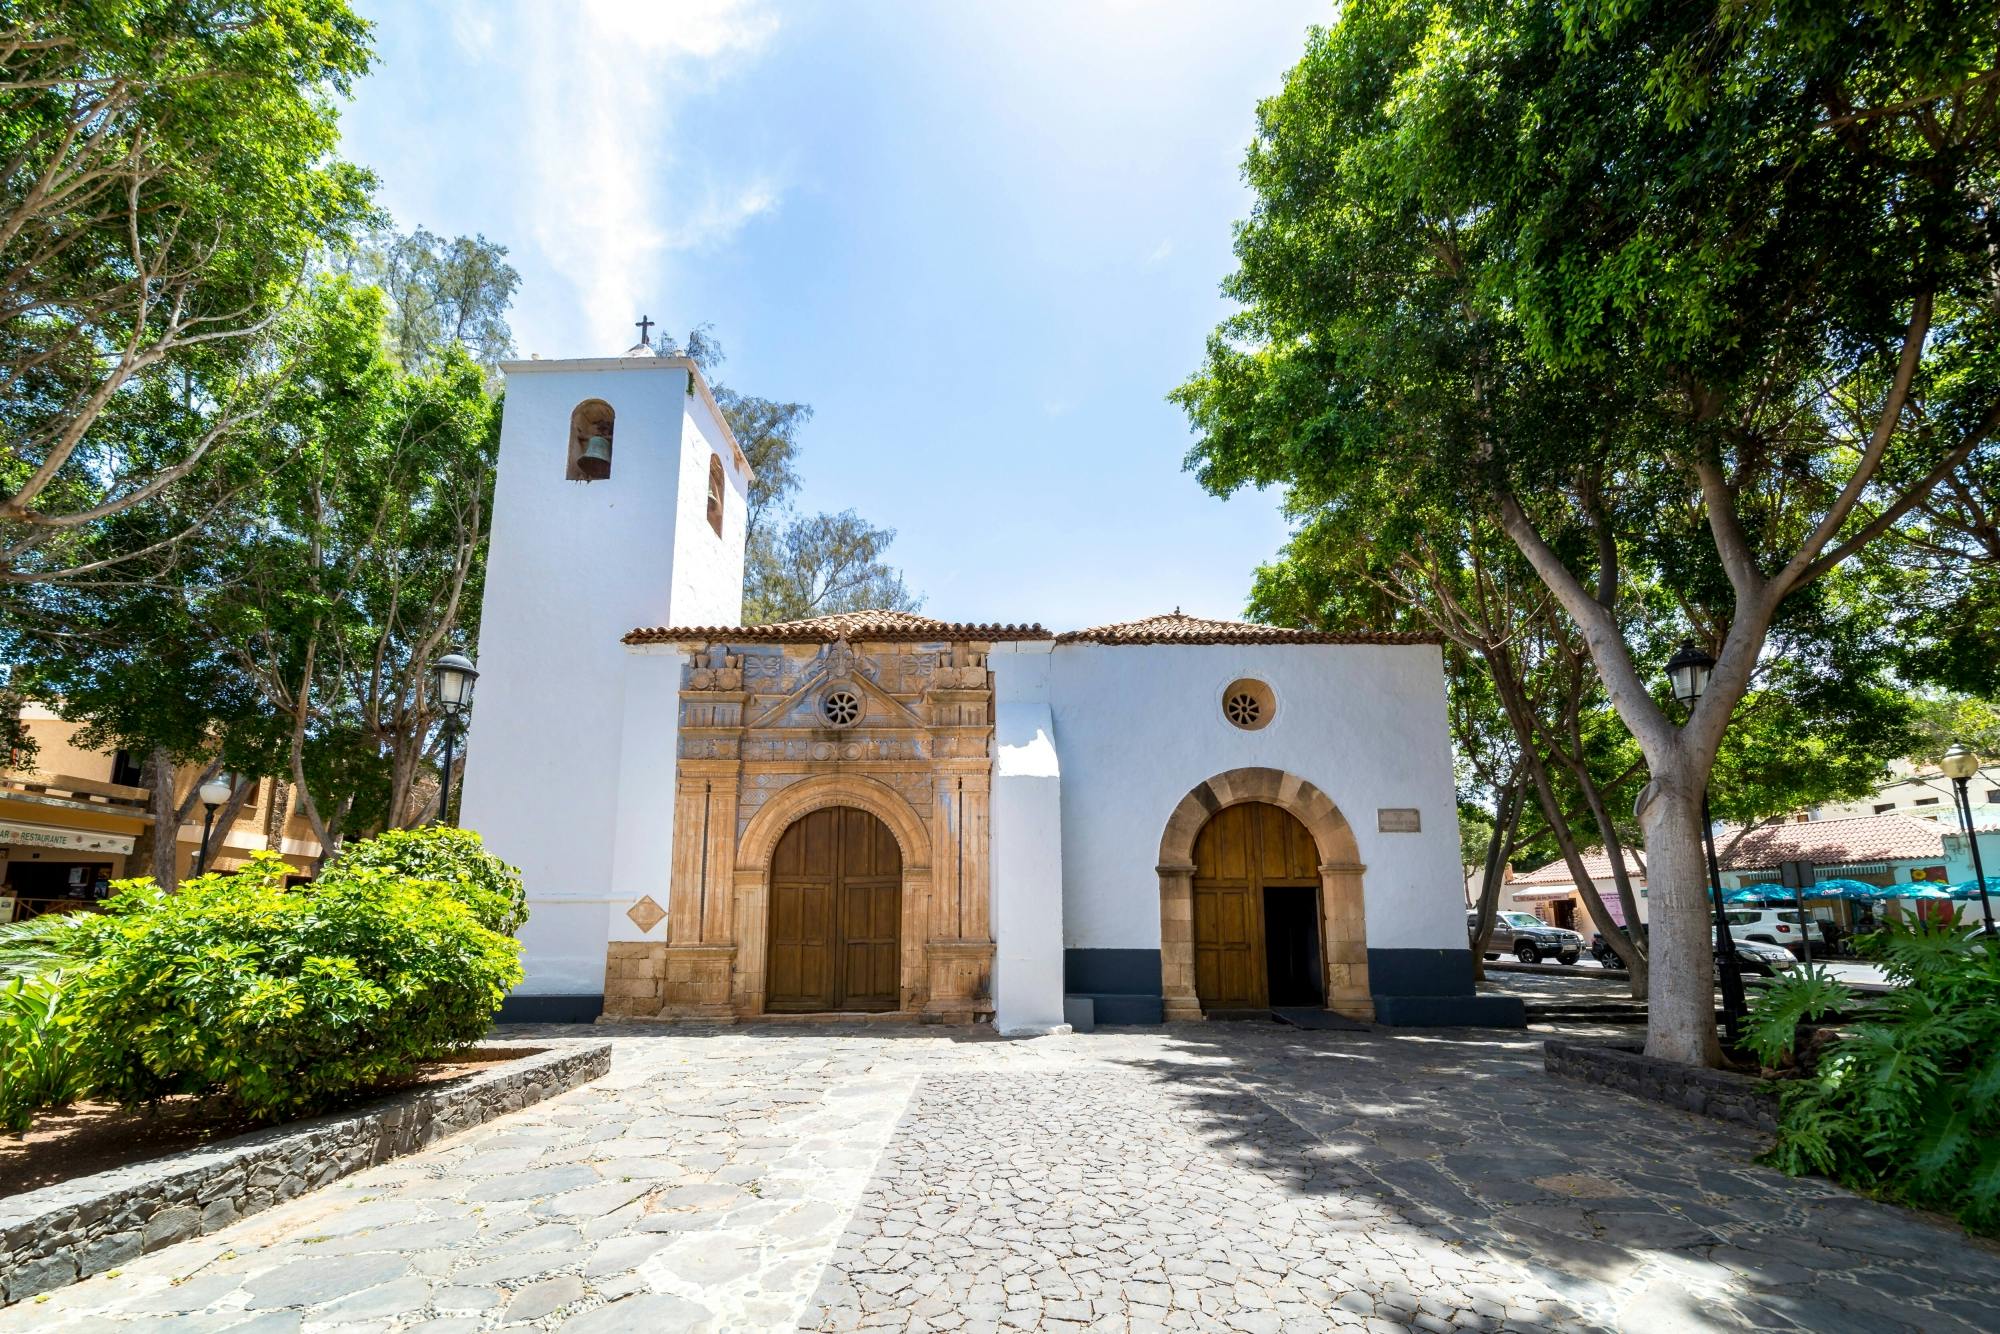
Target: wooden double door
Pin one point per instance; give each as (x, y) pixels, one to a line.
(1256, 911)
(836, 915)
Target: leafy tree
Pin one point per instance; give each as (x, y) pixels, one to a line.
(169, 167)
(819, 564)
(441, 294)
(1698, 294)
(797, 565)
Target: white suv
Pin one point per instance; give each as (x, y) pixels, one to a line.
(1773, 926)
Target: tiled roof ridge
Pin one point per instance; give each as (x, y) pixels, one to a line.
(1176, 627)
(890, 626)
(880, 625)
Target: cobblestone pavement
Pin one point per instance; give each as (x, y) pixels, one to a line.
(1220, 1176)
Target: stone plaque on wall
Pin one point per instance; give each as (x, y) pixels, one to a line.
(1398, 820)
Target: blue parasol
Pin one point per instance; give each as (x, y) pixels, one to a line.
(1915, 889)
(1969, 889)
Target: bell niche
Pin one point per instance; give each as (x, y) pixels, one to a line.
(590, 432)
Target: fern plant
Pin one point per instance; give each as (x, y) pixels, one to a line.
(1907, 1105)
(40, 1065)
(39, 945)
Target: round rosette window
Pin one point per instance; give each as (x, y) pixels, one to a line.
(840, 706)
(1249, 704)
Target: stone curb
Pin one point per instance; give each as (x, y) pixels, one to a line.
(1722, 1094)
(73, 1229)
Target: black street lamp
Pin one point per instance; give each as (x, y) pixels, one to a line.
(214, 792)
(1688, 671)
(451, 681)
(1959, 765)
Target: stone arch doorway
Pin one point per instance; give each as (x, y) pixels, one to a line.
(1341, 923)
(834, 917)
(756, 854)
(1256, 911)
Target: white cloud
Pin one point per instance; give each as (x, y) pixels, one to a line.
(1159, 253)
(608, 195)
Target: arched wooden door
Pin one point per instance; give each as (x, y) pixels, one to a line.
(836, 919)
(1256, 911)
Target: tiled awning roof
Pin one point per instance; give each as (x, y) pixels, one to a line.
(1175, 628)
(1596, 861)
(1887, 837)
(872, 626)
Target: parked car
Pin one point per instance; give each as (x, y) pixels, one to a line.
(1761, 959)
(1528, 938)
(1769, 926)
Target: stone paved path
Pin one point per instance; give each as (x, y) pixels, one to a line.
(1222, 1176)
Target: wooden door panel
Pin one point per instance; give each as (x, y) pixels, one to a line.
(1240, 851)
(835, 919)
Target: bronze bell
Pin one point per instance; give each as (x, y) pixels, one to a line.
(595, 461)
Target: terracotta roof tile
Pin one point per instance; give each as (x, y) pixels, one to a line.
(1596, 861)
(1175, 628)
(871, 626)
(1887, 837)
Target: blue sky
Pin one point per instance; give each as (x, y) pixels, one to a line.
(983, 241)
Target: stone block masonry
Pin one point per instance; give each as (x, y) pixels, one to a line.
(1722, 1094)
(71, 1230)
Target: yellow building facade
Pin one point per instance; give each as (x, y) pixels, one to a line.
(73, 819)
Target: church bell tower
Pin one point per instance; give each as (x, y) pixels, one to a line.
(621, 501)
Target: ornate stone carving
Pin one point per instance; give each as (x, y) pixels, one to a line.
(716, 669)
(766, 756)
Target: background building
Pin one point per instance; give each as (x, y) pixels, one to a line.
(80, 818)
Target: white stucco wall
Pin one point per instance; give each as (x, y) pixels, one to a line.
(572, 567)
(1027, 844)
(1138, 727)
(708, 570)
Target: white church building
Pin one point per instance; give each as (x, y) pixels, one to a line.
(882, 813)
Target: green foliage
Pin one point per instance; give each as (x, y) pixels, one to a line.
(168, 167)
(1906, 1105)
(455, 858)
(1787, 1002)
(39, 945)
(40, 1066)
(283, 1000)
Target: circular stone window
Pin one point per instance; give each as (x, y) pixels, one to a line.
(841, 707)
(1248, 704)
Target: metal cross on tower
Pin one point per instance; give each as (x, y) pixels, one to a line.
(645, 325)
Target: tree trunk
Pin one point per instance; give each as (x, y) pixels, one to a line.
(1681, 1015)
(163, 862)
(1506, 817)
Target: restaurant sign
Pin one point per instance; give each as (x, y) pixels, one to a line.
(63, 840)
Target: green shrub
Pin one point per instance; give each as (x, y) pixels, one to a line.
(283, 1000)
(1907, 1105)
(40, 1066)
(455, 858)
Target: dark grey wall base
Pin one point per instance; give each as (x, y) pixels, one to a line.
(1419, 973)
(1118, 972)
(1722, 1094)
(1451, 1012)
(550, 1010)
(1122, 985)
(1111, 1007)
(71, 1230)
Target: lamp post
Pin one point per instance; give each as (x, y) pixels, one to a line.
(451, 681)
(1688, 672)
(1959, 765)
(214, 792)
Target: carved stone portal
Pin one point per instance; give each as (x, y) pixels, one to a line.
(770, 734)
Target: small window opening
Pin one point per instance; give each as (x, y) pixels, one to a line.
(841, 707)
(716, 489)
(590, 431)
(1248, 704)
